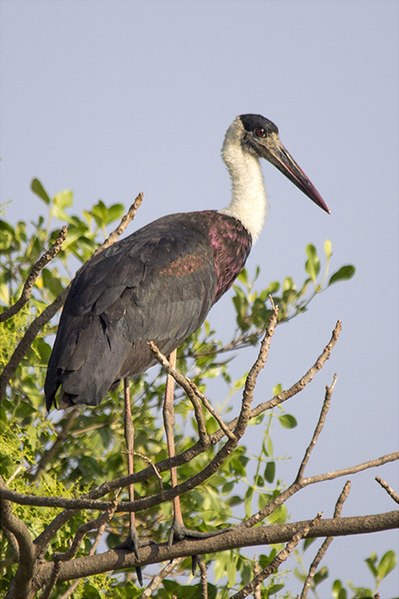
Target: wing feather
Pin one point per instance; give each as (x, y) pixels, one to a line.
(157, 284)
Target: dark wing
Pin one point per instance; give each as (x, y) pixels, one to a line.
(158, 284)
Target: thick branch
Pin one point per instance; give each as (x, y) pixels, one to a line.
(26, 549)
(262, 535)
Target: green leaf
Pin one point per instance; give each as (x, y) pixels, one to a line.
(275, 588)
(248, 501)
(372, 564)
(7, 235)
(338, 591)
(312, 265)
(270, 471)
(343, 274)
(386, 565)
(320, 575)
(287, 421)
(39, 190)
(62, 200)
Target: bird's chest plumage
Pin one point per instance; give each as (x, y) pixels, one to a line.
(231, 244)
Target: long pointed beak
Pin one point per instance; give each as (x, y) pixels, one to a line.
(276, 153)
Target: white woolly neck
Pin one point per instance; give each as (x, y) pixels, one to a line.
(249, 201)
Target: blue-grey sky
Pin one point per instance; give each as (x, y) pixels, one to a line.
(112, 98)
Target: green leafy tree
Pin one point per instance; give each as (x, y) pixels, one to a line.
(63, 477)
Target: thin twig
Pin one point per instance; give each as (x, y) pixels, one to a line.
(193, 393)
(148, 460)
(203, 577)
(126, 219)
(33, 275)
(249, 387)
(327, 542)
(158, 578)
(388, 489)
(281, 557)
(318, 429)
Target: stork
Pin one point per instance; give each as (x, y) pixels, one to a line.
(159, 283)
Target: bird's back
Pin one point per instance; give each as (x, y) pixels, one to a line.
(157, 284)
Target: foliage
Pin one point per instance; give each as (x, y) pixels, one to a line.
(68, 455)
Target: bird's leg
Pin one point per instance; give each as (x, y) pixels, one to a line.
(178, 530)
(169, 423)
(133, 540)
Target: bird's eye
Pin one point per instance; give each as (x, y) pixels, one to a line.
(260, 132)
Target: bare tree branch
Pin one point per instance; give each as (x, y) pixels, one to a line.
(27, 340)
(281, 557)
(318, 429)
(34, 273)
(249, 387)
(157, 580)
(388, 489)
(327, 542)
(26, 550)
(125, 221)
(233, 538)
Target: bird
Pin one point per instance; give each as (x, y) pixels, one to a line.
(159, 283)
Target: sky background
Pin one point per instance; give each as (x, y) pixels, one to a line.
(112, 98)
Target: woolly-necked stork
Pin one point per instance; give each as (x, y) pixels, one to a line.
(159, 283)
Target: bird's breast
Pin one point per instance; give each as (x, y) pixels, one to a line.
(231, 244)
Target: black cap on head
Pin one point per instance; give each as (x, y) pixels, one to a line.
(257, 121)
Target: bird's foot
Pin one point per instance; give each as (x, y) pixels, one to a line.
(178, 532)
(132, 544)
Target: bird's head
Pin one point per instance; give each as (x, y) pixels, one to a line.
(259, 137)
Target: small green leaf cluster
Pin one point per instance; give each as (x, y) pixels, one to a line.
(379, 568)
(253, 308)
